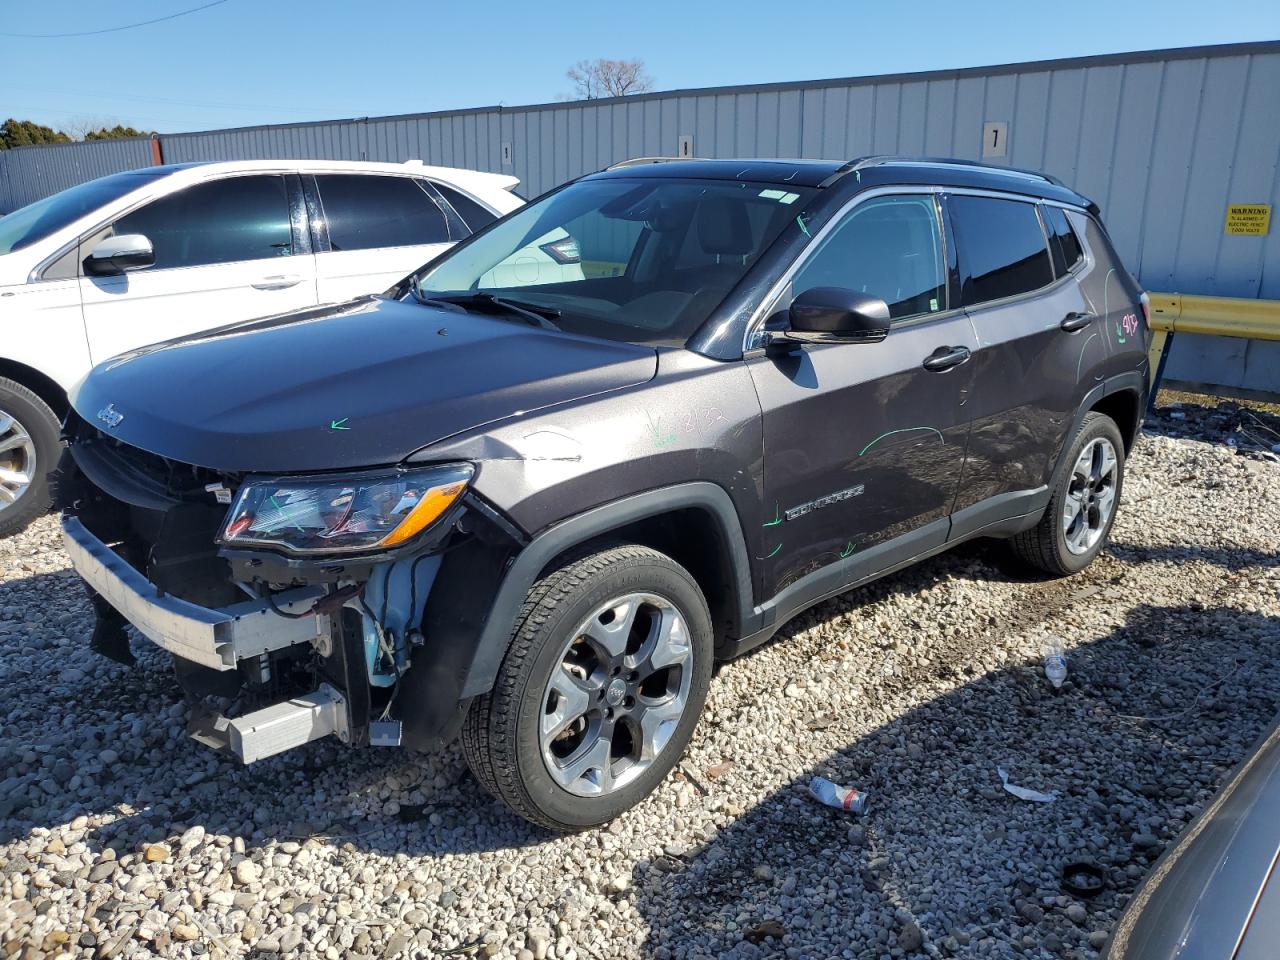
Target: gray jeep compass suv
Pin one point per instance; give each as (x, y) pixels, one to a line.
(529, 495)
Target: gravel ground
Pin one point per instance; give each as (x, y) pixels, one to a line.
(119, 837)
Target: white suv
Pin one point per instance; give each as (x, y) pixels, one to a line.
(157, 253)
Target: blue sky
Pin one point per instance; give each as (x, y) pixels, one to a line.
(270, 61)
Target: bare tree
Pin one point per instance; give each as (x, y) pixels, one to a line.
(100, 128)
(594, 79)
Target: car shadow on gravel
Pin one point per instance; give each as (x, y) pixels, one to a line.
(97, 739)
(1233, 559)
(945, 863)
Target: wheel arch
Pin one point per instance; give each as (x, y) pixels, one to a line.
(695, 523)
(1124, 406)
(42, 385)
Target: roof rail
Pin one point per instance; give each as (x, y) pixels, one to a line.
(862, 162)
(637, 161)
(855, 164)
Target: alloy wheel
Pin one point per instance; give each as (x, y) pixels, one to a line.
(17, 460)
(616, 694)
(1091, 496)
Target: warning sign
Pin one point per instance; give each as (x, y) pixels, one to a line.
(1248, 219)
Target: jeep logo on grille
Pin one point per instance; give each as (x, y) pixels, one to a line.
(110, 416)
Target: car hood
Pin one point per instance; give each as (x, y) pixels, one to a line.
(359, 384)
(1213, 893)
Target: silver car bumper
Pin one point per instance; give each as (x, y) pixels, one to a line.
(213, 638)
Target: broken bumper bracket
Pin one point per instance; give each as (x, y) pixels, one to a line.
(276, 728)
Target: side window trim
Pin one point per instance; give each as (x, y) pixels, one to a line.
(781, 288)
(298, 219)
(1082, 256)
(950, 252)
(318, 227)
(457, 227)
(1048, 241)
(451, 193)
(1088, 257)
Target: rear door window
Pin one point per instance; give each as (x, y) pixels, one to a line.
(365, 211)
(1001, 248)
(886, 247)
(221, 221)
(1063, 242)
(472, 213)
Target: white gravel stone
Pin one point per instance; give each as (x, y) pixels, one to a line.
(913, 689)
(247, 872)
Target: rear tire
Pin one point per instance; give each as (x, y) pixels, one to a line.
(28, 453)
(599, 691)
(1086, 494)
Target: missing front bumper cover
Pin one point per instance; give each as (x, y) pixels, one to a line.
(216, 638)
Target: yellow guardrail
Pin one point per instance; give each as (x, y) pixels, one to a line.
(1213, 316)
(1216, 316)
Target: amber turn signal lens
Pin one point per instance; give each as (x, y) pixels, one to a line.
(433, 503)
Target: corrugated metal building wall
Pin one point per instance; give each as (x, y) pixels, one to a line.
(1163, 140)
(29, 173)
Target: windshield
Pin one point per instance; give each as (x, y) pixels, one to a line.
(640, 260)
(35, 221)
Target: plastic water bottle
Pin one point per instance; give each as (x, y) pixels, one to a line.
(842, 798)
(1055, 662)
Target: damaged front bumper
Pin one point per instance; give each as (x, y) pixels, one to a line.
(274, 650)
(218, 639)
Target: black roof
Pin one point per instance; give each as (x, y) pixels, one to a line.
(804, 173)
(864, 171)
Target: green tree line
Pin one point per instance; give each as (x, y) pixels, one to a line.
(26, 133)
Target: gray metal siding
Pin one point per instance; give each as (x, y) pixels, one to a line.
(28, 174)
(1162, 140)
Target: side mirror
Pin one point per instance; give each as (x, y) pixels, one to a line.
(129, 251)
(835, 315)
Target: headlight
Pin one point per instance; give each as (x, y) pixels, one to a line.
(343, 513)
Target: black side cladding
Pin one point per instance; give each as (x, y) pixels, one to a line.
(430, 704)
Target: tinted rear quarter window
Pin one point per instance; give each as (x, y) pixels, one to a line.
(1063, 242)
(221, 221)
(364, 212)
(1001, 248)
(472, 213)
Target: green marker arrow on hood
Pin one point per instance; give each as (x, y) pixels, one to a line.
(338, 424)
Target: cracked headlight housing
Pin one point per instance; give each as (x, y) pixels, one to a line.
(342, 513)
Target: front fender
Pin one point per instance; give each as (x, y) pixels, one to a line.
(495, 632)
(482, 585)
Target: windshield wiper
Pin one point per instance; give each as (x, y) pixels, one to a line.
(534, 313)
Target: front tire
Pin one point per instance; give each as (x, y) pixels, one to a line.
(28, 453)
(1082, 509)
(599, 692)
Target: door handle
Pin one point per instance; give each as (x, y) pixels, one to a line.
(944, 358)
(1076, 321)
(279, 282)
